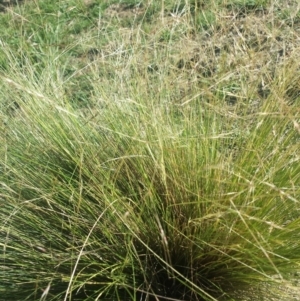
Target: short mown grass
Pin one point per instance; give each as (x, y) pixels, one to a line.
(149, 151)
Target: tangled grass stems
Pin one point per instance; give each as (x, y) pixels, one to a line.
(172, 184)
(152, 207)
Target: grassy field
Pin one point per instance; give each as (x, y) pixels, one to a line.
(149, 150)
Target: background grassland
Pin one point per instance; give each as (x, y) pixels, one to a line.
(149, 150)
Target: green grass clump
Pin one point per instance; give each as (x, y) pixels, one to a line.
(151, 162)
(146, 200)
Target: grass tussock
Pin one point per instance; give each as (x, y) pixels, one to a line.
(150, 152)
